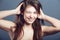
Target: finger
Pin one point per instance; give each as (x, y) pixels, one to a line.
(41, 12)
(18, 8)
(20, 5)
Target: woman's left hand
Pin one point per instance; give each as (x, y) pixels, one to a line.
(41, 15)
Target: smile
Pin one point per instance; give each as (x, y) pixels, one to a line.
(31, 20)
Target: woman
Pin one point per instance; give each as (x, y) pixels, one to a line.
(27, 25)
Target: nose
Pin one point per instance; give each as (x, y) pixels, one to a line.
(32, 15)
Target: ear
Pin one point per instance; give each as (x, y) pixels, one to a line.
(22, 13)
(39, 16)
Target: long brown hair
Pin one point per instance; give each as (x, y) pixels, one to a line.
(20, 20)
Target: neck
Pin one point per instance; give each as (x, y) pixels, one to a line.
(28, 25)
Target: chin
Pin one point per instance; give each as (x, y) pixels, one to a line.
(29, 22)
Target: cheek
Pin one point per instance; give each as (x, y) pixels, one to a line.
(36, 16)
(25, 17)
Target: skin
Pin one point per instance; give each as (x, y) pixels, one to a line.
(30, 13)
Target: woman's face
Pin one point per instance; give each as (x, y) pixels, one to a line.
(30, 14)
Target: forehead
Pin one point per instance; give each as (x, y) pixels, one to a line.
(30, 8)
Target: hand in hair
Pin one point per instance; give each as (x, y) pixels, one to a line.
(18, 8)
(41, 15)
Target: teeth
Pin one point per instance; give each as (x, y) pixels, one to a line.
(30, 20)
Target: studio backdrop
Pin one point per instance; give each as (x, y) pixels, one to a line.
(50, 7)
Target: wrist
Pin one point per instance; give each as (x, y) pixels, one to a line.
(14, 11)
(43, 17)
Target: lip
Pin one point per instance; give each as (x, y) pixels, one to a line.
(31, 20)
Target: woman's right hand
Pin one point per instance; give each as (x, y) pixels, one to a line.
(17, 10)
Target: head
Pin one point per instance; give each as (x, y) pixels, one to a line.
(30, 10)
(29, 15)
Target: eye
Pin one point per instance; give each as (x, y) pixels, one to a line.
(35, 12)
(28, 12)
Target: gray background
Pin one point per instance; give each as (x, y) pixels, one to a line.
(50, 7)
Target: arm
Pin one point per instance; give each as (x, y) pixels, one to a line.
(10, 12)
(55, 25)
(55, 22)
(6, 13)
(5, 24)
(48, 30)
